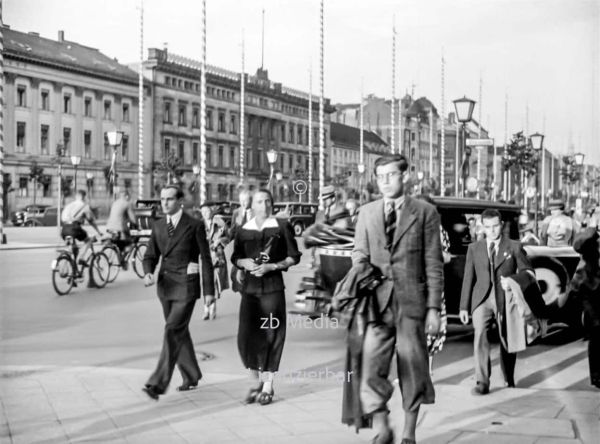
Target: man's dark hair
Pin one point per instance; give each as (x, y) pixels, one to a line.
(490, 213)
(178, 191)
(82, 193)
(392, 158)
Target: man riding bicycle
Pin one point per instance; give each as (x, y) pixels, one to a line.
(120, 219)
(73, 217)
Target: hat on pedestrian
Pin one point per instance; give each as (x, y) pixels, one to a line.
(556, 204)
(328, 192)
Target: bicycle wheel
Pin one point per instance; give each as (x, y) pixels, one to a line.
(114, 261)
(137, 256)
(63, 274)
(99, 269)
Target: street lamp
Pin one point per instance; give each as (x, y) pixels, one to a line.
(75, 161)
(420, 177)
(271, 158)
(537, 143)
(114, 140)
(361, 173)
(196, 171)
(278, 178)
(464, 113)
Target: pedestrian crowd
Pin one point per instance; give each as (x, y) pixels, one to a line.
(392, 296)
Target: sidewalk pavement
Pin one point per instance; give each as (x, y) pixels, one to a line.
(22, 238)
(100, 404)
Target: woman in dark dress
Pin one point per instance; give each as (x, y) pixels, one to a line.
(263, 247)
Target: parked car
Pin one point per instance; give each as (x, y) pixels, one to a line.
(42, 217)
(554, 267)
(300, 215)
(18, 217)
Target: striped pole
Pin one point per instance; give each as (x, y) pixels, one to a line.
(141, 108)
(393, 111)
(203, 108)
(479, 136)
(310, 136)
(242, 112)
(321, 115)
(2, 237)
(443, 139)
(505, 189)
(431, 125)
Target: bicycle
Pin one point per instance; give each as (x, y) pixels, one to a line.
(66, 272)
(118, 256)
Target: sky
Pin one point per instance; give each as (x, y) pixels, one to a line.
(540, 57)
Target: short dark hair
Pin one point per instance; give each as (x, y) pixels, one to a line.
(82, 193)
(490, 213)
(392, 158)
(267, 192)
(178, 191)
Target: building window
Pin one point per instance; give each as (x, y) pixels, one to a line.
(412, 136)
(181, 119)
(300, 131)
(45, 95)
(107, 153)
(20, 137)
(167, 116)
(249, 162)
(208, 192)
(208, 155)
(126, 112)
(221, 159)
(87, 144)
(167, 80)
(195, 118)
(23, 181)
(21, 95)
(125, 147)
(231, 157)
(167, 149)
(291, 162)
(221, 127)
(195, 149)
(209, 119)
(127, 183)
(291, 133)
(67, 103)
(67, 140)
(233, 124)
(87, 107)
(107, 110)
(44, 135)
(281, 161)
(282, 132)
(261, 129)
(181, 151)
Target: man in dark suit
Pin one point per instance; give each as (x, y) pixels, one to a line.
(181, 241)
(400, 236)
(488, 262)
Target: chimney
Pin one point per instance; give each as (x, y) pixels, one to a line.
(37, 34)
(61, 36)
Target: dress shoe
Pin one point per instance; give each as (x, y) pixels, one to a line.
(206, 314)
(151, 392)
(408, 441)
(187, 386)
(386, 438)
(480, 389)
(509, 384)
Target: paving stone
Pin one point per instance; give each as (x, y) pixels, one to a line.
(492, 438)
(557, 441)
(258, 431)
(558, 428)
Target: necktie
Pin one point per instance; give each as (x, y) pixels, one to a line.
(170, 227)
(390, 224)
(492, 253)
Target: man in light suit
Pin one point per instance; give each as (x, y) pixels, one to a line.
(239, 217)
(488, 262)
(181, 241)
(400, 236)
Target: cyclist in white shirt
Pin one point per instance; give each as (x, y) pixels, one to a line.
(73, 217)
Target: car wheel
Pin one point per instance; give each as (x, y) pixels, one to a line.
(298, 229)
(31, 223)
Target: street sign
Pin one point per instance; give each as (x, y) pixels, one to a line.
(480, 142)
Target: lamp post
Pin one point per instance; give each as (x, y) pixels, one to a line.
(271, 158)
(279, 178)
(114, 140)
(464, 113)
(361, 173)
(579, 157)
(196, 171)
(537, 143)
(75, 161)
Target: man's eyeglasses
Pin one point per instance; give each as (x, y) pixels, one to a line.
(388, 176)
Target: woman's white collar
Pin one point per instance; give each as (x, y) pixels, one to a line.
(271, 222)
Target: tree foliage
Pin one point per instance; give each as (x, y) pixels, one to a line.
(520, 155)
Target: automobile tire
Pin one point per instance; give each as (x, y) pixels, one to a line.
(298, 229)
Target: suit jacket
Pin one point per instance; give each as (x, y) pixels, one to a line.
(413, 267)
(510, 259)
(187, 245)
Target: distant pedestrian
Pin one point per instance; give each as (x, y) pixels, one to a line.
(585, 288)
(179, 242)
(558, 229)
(239, 218)
(488, 261)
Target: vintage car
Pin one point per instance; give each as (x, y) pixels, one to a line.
(41, 217)
(18, 217)
(553, 266)
(300, 215)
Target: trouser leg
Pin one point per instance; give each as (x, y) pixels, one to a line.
(483, 317)
(594, 355)
(507, 364)
(177, 346)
